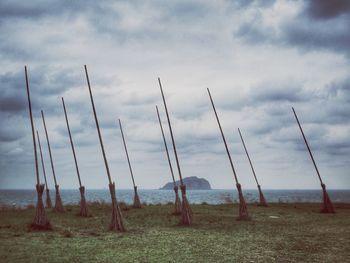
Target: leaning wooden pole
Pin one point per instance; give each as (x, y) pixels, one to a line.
(327, 206)
(58, 201)
(48, 198)
(117, 219)
(261, 195)
(137, 203)
(84, 212)
(186, 213)
(177, 210)
(243, 211)
(40, 221)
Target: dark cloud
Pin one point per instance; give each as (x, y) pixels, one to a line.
(303, 31)
(250, 3)
(271, 93)
(324, 9)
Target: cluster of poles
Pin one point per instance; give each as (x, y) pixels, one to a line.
(182, 206)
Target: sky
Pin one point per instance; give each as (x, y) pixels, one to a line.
(258, 58)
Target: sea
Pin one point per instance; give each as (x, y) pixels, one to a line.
(24, 198)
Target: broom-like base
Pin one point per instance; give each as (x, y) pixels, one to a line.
(178, 208)
(327, 206)
(117, 219)
(84, 212)
(40, 221)
(48, 199)
(137, 203)
(243, 211)
(262, 198)
(58, 202)
(186, 212)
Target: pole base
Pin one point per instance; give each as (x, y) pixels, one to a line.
(40, 222)
(117, 219)
(243, 210)
(327, 207)
(186, 212)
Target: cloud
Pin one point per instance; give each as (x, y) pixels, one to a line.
(307, 27)
(319, 9)
(259, 58)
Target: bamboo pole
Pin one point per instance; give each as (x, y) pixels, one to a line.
(243, 211)
(176, 190)
(117, 219)
(261, 195)
(40, 221)
(58, 201)
(327, 203)
(83, 206)
(137, 203)
(48, 198)
(186, 214)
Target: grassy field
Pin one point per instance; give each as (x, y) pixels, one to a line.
(279, 233)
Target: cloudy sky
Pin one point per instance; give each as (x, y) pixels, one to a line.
(259, 58)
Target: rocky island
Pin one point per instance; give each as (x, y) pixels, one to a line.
(192, 183)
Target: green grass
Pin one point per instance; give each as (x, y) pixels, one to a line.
(298, 234)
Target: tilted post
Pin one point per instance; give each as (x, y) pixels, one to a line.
(40, 221)
(137, 203)
(177, 199)
(186, 214)
(243, 211)
(117, 219)
(58, 201)
(48, 198)
(327, 203)
(83, 206)
(261, 195)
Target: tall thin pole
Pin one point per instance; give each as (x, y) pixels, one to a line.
(98, 127)
(42, 159)
(71, 142)
(223, 137)
(32, 125)
(166, 147)
(308, 147)
(48, 145)
(126, 152)
(243, 211)
(246, 151)
(171, 132)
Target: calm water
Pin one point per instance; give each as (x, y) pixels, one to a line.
(21, 198)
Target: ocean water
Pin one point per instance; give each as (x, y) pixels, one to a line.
(22, 198)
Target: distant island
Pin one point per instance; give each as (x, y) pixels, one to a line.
(192, 183)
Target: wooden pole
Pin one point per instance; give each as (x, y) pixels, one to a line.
(166, 147)
(40, 221)
(243, 211)
(42, 160)
(83, 206)
(58, 201)
(307, 146)
(98, 126)
(48, 198)
(32, 126)
(71, 142)
(186, 213)
(171, 132)
(176, 190)
(137, 203)
(223, 138)
(49, 147)
(327, 203)
(126, 152)
(117, 219)
(261, 195)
